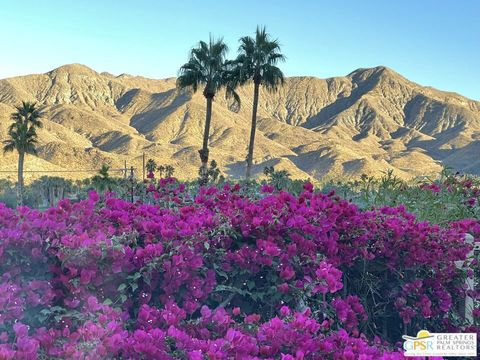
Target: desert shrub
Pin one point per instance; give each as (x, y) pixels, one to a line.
(439, 200)
(7, 193)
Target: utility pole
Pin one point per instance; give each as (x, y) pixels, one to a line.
(125, 170)
(143, 167)
(131, 183)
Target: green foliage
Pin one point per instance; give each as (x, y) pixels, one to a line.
(212, 176)
(169, 170)
(257, 60)
(22, 133)
(207, 66)
(281, 180)
(166, 171)
(161, 169)
(151, 165)
(213, 171)
(102, 181)
(439, 200)
(47, 191)
(7, 193)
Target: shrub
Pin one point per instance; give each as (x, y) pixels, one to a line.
(218, 274)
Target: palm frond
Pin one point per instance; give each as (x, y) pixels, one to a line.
(22, 132)
(257, 59)
(206, 66)
(272, 77)
(8, 146)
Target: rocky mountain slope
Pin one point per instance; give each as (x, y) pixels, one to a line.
(366, 122)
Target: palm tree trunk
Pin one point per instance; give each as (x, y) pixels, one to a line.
(252, 130)
(204, 151)
(21, 159)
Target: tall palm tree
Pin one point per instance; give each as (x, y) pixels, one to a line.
(207, 66)
(256, 61)
(23, 138)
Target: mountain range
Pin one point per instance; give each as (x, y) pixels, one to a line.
(369, 121)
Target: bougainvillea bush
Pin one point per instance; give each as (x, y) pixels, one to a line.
(221, 275)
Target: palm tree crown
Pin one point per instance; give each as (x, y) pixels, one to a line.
(22, 132)
(257, 60)
(206, 66)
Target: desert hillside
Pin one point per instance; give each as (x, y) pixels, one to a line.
(366, 122)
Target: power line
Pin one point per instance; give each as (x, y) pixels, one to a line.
(58, 171)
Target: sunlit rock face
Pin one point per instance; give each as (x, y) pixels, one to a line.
(369, 121)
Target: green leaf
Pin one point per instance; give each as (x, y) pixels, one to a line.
(57, 308)
(147, 280)
(231, 289)
(122, 287)
(135, 276)
(108, 302)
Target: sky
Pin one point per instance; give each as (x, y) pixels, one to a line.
(431, 42)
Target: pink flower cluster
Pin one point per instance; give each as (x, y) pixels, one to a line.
(456, 184)
(222, 275)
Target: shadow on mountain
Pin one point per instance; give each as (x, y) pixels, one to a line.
(238, 168)
(342, 104)
(149, 120)
(111, 141)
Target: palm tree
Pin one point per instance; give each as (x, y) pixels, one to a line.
(103, 181)
(161, 169)
(169, 170)
(151, 167)
(257, 62)
(207, 66)
(23, 138)
(51, 188)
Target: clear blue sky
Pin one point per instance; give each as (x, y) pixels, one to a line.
(432, 42)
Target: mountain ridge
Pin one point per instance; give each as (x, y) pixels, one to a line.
(368, 121)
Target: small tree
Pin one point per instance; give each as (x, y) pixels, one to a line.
(51, 188)
(151, 167)
(22, 137)
(213, 171)
(280, 179)
(169, 170)
(161, 170)
(102, 181)
(268, 170)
